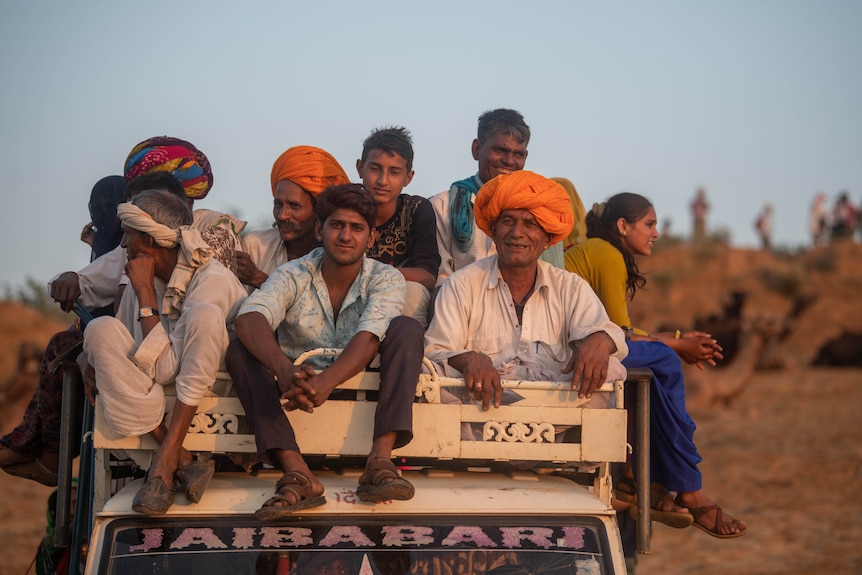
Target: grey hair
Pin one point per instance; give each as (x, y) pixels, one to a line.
(165, 208)
(503, 121)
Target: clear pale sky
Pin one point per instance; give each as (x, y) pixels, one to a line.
(758, 101)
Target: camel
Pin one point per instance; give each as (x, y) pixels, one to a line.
(15, 393)
(721, 385)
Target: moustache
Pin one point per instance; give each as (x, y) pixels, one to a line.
(286, 225)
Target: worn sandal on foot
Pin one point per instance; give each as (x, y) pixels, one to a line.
(292, 483)
(382, 482)
(698, 512)
(675, 519)
(154, 497)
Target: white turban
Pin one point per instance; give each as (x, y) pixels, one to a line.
(194, 252)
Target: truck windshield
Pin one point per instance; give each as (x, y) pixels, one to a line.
(357, 546)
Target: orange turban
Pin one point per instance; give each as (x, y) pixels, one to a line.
(523, 190)
(310, 168)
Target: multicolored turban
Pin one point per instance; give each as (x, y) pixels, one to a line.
(524, 190)
(310, 168)
(164, 154)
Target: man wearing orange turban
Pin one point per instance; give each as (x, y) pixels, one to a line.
(544, 198)
(512, 316)
(298, 176)
(310, 168)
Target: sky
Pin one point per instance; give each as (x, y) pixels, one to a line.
(757, 101)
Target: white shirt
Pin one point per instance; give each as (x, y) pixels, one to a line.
(452, 258)
(266, 249)
(474, 312)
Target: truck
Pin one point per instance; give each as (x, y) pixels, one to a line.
(522, 488)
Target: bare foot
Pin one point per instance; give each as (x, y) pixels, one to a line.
(709, 516)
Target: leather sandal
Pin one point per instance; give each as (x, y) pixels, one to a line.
(698, 512)
(295, 484)
(382, 481)
(675, 519)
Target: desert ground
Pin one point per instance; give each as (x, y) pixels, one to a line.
(780, 446)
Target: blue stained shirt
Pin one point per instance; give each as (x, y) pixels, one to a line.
(295, 302)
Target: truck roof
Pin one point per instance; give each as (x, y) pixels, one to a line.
(440, 492)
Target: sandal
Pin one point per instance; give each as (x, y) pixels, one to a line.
(698, 512)
(154, 497)
(626, 492)
(194, 478)
(293, 483)
(383, 482)
(675, 519)
(34, 470)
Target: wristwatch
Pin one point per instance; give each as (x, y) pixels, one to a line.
(147, 312)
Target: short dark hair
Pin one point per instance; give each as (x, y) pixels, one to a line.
(392, 140)
(348, 197)
(156, 181)
(165, 208)
(503, 121)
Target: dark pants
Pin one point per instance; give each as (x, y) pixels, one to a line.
(401, 353)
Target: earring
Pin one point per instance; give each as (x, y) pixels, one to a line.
(624, 234)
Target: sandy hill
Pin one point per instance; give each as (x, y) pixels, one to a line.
(684, 283)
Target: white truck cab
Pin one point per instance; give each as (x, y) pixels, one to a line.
(529, 492)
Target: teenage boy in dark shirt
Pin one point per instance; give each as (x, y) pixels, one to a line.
(406, 225)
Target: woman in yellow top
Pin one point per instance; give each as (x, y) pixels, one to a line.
(618, 230)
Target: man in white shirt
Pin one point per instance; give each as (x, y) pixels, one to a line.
(298, 176)
(512, 316)
(500, 148)
(171, 328)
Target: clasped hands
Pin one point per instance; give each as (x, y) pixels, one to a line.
(302, 387)
(695, 347)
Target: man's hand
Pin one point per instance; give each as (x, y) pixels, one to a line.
(480, 377)
(142, 272)
(66, 290)
(247, 272)
(589, 362)
(293, 383)
(88, 234)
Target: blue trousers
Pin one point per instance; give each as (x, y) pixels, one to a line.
(673, 455)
